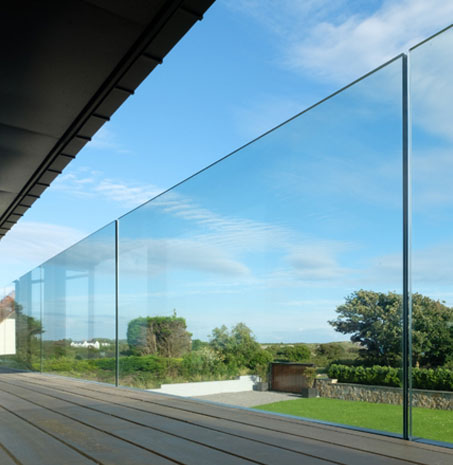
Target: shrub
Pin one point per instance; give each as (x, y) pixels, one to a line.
(440, 379)
(376, 375)
(202, 363)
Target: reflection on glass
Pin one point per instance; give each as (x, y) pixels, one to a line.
(20, 323)
(432, 331)
(8, 328)
(78, 289)
(280, 252)
(28, 320)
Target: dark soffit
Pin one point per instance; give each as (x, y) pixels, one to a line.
(66, 67)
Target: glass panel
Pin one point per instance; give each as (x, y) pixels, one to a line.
(28, 320)
(79, 309)
(8, 352)
(279, 253)
(432, 331)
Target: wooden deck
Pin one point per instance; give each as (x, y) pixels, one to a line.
(56, 421)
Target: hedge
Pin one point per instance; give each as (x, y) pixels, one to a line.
(439, 379)
(375, 376)
(192, 367)
(159, 366)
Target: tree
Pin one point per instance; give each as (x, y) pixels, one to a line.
(159, 335)
(238, 346)
(374, 319)
(432, 331)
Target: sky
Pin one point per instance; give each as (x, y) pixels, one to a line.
(233, 233)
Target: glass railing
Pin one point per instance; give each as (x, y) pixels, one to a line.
(273, 279)
(78, 315)
(432, 301)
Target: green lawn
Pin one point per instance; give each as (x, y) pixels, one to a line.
(427, 423)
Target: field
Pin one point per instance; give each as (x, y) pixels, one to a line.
(428, 423)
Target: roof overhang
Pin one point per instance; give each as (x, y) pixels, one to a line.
(66, 67)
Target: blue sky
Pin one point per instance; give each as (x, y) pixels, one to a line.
(244, 69)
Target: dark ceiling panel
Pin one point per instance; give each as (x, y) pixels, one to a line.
(6, 198)
(182, 20)
(92, 125)
(137, 72)
(66, 67)
(138, 11)
(65, 49)
(21, 151)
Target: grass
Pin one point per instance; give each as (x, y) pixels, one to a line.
(427, 423)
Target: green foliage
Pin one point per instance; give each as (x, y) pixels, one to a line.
(294, 353)
(331, 351)
(290, 352)
(160, 367)
(198, 344)
(28, 330)
(205, 364)
(146, 371)
(261, 364)
(309, 374)
(237, 347)
(160, 335)
(440, 379)
(374, 320)
(432, 331)
(372, 376)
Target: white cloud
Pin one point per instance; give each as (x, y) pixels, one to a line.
(128, 195)
(154, 256)
(106, 139)
(234, 246)
(31, 243)
(318, 262)
(85, 183)
(231, 233)
(431, 88)
(337, 43)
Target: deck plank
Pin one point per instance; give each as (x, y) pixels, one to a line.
(6, 459)
(256, 436)
(100, 447)
(208, 430)
(30, 445)
(390, 447)
(192, 438)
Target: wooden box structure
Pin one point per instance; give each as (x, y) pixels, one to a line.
(289, 377)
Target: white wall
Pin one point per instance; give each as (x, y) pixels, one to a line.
(204, 388)
(8, 337)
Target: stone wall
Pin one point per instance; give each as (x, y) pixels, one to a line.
(442, 400)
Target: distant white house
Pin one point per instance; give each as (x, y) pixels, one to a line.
(92, 345)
